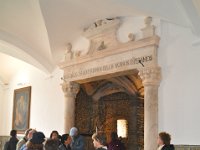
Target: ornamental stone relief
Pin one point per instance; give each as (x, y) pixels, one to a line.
(109, 59)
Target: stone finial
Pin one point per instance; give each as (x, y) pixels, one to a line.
(148, 30)
(68, 52)
(70, 89)
(131, 37)
(150, 75)
(148, 21)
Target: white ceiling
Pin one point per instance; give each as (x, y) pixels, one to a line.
(36, 31)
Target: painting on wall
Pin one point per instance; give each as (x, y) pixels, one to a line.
(21, 109)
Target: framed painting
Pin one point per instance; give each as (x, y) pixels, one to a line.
(21, 109)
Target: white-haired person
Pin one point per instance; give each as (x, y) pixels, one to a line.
(23, 140)
(77, 142)
(99, 141)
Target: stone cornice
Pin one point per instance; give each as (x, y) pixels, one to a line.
(122, 47)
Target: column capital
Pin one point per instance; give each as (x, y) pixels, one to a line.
(150, 75)
(70, 88)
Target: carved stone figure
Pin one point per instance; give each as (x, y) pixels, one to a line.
(68, 52)
(149, 29)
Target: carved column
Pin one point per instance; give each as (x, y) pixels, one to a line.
(70, 90)
(151, 80)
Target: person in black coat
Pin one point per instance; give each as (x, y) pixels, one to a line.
(115, 143)
(164, 140)
(11, 144)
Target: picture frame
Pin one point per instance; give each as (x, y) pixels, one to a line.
(21, 109)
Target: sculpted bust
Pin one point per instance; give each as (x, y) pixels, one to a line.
(68, 52)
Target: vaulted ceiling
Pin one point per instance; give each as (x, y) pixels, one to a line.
(37, 31)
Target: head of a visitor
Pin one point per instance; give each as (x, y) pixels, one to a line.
(37, 138)
(73, 132)
(30, 133)
(13, 133)
(99, 140)
(51, 144)
(114, 136)
(54, 135)
(164, 138)
(65, 139)
(27, 132)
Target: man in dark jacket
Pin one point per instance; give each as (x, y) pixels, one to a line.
(115, 143)
(164, 140)
(11, 144)
(168, 147)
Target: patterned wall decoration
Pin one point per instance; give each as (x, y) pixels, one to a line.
(99, 105)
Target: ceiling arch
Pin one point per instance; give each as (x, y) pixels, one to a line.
(37, 31)
(22, 28)
(131, 85)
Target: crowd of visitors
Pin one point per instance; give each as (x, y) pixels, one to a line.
(36, 140)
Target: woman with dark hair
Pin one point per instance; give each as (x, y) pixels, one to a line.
(164, 140)
(54, 135)
(65, 142)
(115, 143)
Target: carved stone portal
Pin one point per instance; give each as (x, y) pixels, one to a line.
(108, 58)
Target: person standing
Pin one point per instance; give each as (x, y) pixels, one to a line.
(65, 142)
(99, 141)
(115, 143)
(11, 144)
(54, 135)
(51, 144)
(36, 142)
(164, 140)
(77, 142)
(23, 140)
(29, 136)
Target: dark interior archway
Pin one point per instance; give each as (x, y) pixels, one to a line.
(100, 104)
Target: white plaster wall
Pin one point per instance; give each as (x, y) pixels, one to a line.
(1, 103)
(46, 101)
(178, 93)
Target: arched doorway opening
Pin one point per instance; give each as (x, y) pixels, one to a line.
(99, 104)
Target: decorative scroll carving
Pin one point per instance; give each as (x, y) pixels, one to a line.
(102, 34)
(101, 24)
(70, 89)
(150, 76)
